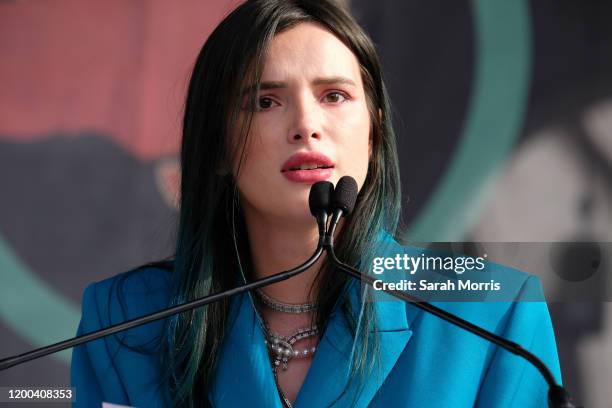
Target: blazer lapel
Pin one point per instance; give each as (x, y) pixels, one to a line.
(328, 373)
(244, 374)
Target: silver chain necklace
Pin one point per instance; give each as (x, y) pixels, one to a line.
(282, 347)
(294, 308)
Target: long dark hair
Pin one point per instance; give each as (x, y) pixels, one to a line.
(212, 245)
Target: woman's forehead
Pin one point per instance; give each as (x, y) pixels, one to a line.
(309, 51)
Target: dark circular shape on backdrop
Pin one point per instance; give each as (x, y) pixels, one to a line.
(576, 260)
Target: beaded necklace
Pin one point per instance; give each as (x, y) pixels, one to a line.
(282, 347)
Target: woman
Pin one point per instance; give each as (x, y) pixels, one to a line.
(284, 94)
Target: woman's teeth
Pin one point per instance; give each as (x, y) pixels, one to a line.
(307, 166)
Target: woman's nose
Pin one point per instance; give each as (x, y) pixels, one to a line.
(306, 125)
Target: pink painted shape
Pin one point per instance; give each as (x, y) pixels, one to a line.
(118, 68)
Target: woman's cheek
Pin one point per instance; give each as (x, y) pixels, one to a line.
(353, 122)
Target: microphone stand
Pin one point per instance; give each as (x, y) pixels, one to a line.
(558, 397)
(62, 345)
(318, 203)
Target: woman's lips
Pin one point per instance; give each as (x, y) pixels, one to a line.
(308, 167)
(309, 176)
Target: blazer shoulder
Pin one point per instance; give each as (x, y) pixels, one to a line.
(123, 368)
(126, 296)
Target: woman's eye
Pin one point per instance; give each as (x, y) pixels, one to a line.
(264, 103)
(335, 97)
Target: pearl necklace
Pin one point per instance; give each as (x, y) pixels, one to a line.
(282, 346)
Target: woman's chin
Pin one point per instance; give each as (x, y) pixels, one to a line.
(297, 214)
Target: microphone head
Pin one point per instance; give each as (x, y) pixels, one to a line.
(320, 197)
(345, 195)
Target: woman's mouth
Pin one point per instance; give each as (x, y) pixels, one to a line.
(309, 174)
(308, 167)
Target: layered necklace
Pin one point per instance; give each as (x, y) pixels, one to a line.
(282, 347)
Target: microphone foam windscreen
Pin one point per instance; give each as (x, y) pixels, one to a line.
(345, 194)
(320, 196)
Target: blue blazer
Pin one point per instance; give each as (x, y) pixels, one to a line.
(424, 361)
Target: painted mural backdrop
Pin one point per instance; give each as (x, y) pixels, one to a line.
(90, 110)
(502, 112)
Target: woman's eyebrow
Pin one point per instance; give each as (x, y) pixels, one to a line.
(317, 81)
(252, 89)
(272, 85)
(333, 80)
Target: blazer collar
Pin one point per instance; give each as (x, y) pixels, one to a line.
(244, 375)
(328, 375)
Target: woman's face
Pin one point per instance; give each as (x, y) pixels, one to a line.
(311, 123)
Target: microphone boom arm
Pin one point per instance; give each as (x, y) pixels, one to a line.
(557, 395)
(444, 315)
(139, 321)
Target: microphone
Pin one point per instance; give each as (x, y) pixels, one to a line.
(343, 202)
(319, 203)
(318, 200)
(345, 195)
